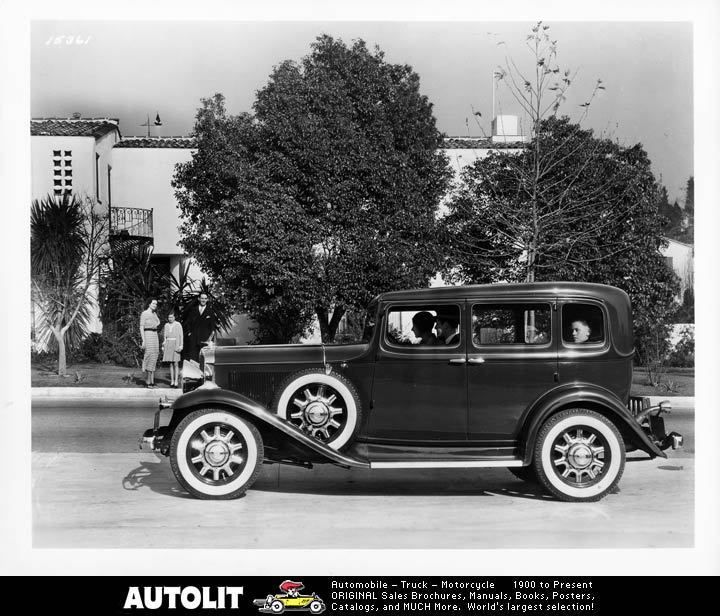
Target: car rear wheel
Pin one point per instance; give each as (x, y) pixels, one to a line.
(316, 607)
(579, 455)
(325, 406)
(215, 454)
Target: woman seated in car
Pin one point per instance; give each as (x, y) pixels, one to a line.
(422, 328)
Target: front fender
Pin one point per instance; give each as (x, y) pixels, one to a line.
(257, 413)
(583, 396)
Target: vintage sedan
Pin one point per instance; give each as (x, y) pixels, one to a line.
(532, 377)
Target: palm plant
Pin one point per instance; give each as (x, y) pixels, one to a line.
(129, 280)
(67, 242)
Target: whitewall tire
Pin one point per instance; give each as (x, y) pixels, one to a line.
(579, 455)
(215, 454)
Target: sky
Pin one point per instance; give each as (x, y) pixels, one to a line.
(131, 69)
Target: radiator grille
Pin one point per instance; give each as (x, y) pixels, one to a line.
(637, 404)
(260, 386)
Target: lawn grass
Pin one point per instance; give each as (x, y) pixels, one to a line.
(672, 382)
(95, 375)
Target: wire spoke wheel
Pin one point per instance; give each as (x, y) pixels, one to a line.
(216, 453)
(580, 456)
(318, 410)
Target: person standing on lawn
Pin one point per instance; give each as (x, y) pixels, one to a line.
(200, 328)
(149, 323)
(172, 346)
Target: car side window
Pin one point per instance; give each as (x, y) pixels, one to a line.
(423, 326)
(582, 324)
(528, 324)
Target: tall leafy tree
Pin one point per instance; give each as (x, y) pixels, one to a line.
(567, 205)
(323, 197)
(68, 240)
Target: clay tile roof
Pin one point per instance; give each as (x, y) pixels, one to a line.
(72, 127)
(157, 142)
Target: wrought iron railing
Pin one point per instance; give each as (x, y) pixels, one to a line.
(131, 221)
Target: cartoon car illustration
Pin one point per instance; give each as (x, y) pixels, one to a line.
(290, 599)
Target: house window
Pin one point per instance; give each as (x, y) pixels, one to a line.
(62, 174)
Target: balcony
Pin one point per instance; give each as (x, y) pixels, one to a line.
(131, 223)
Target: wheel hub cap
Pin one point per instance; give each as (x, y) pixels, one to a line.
(580, 456)
(317, 413)
(217, 453)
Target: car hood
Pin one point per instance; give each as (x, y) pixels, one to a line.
(288, 353)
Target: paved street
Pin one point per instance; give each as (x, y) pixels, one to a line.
(92, 488)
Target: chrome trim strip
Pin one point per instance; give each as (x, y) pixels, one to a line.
(449, 464)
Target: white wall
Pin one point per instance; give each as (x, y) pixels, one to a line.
(84, 151)
(682, 262)
(104, 147)
(83, 164)
(141, 178)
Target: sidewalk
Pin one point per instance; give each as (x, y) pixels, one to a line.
(129, 394)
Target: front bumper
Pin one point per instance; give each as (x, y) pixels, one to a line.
(153, 439)
(651, 421)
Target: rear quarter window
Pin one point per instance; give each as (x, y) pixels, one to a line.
(582, 324)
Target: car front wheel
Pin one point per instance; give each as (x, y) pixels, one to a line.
(579, 455)
(215, 454)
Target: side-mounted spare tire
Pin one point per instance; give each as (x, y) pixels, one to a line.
(215, 454)
(579, 455)
(325, 406)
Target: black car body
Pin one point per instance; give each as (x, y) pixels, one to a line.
(535, 378)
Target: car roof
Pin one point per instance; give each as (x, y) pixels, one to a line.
(511, 290)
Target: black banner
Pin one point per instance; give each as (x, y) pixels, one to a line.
(383, 595)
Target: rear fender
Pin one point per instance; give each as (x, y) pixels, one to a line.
(258, 415)
(589, 397)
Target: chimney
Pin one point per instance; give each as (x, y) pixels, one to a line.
(505, 129)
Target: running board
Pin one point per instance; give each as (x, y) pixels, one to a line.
(447, 464)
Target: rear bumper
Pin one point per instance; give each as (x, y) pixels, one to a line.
(651, 421)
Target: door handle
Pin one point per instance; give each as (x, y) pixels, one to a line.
(476, 360)
(460, 360)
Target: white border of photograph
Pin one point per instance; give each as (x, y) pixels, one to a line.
(16, 554)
